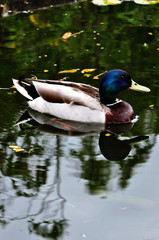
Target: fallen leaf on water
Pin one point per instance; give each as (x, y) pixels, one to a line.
(66, 35)
(19, 150)
(69, 71)
(46, 70)
(98, 76)
(62, 79)
(31, 149)
(107, 134)
(69, 34)
(35, 77)
(16, 148)
(86, 70)
(13, 87)
(151, 106)
(150, 33)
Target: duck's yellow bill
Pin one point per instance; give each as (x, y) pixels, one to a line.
(137, 87)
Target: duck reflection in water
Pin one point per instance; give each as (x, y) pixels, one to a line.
(111, 147)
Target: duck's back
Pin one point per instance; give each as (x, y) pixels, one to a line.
(70, 93)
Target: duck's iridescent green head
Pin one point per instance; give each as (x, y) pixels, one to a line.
(115, 81)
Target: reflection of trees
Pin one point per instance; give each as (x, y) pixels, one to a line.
(96, 172)
(99, 173)
(44, 205)
(30, 38)
(15, 6)
(127, 168)
(52, 228)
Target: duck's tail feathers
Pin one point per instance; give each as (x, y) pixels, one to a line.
(26, 89)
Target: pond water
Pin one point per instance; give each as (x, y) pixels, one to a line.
(88, 183)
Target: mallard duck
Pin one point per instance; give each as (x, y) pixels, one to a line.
(81, 102)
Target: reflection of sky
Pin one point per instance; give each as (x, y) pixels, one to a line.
(128, 214)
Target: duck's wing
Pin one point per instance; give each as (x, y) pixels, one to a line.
(68, 92)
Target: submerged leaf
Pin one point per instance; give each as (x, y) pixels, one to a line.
(2, 151)
(87, 74)
(10, 93)
(33, 19)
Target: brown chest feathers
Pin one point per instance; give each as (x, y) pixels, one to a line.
(121, 112)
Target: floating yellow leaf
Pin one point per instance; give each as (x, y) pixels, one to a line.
(35, 77)
(86, 70)
(107, 134)
(66, 35)
(16, 148)
(157, 49)
(46, 70)
(151, 106)
(69, 34)
(69, 71)
(19, 150)
(13, 146)
(150, 33)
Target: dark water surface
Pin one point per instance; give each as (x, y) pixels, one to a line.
(87, 183)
